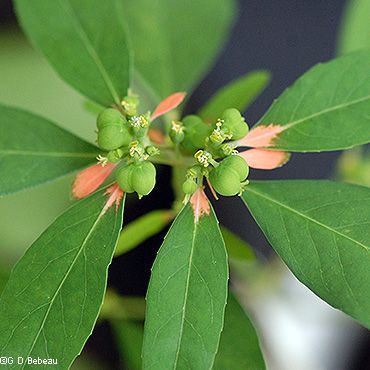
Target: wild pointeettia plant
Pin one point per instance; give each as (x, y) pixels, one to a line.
(319, 228)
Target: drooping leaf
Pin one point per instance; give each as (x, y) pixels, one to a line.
(239, 346)
(129, 337)
(355, 28)
(186, 296)
(237, 94)
(84, 41)
(33, 151)
(321, 231)
(175, 41)
(52, 299)
(237, 248)
(142, 229)
(326, 109)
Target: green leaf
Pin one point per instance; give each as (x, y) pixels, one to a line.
(186, 296)
(237, 248)
(84, 41)
(176, 41)
(239, 346)
(321, 231)
(51, 302)
(4, 276)
(355, 28)
(142, 229)
(237, 94)
(33, 151)
(129, 336)
(326, 109)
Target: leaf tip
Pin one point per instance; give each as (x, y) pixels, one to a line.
(262, 136)
(169, 103)
(115, 196)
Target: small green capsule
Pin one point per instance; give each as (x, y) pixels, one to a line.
(124, 178)
(143, 177)
(189, 186)
(115, 156)
(196, 132)
(225, 181)
(110, 117)
(113, 137)
(234, 123)
(236, 163)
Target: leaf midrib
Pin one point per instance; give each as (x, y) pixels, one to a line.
(323, 112)
(307, 218)
(62, 282)
(48, 154)
(185, 295)
(90, 49)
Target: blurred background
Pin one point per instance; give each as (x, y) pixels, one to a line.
(286, 37)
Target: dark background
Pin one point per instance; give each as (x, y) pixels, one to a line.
(286, 37)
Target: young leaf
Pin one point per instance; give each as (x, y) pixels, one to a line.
(237, 248)
(321, 231)
(239, 346)
(142, 229)
(186, 295)
(129, 336)
(84, 41)
(326, 109)
(355, 28)
(51, 302)
(175, 41)
(237, 94)
(33, 151)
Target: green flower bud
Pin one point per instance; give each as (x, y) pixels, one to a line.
(234, 123)
(124, 178)
(177, 133)
(225, 181)
(196, 133)
(143, 177)
(113, 137)
(189, 186)
(130, 104)
(237, 164)
(110, 117)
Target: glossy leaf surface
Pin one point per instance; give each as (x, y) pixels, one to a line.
(186, 295)
(239, 346)
(174, 42)
(34, 150)
(237, 94)
(52, 299)
(326, 109)
(321, 231)
(84, 41)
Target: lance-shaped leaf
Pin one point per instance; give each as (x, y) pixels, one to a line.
(326, 109)
(355, 28)
(237, 94)
(175, 41)
(321, 231)
(52, 299)
(186, 296)
(84, 41)
(33, 151)
(239, 346)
